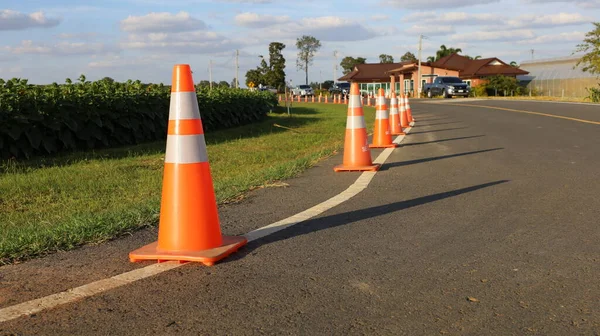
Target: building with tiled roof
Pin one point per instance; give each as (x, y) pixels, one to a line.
(473, 72)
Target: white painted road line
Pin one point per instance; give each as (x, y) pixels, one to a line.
(100, 286)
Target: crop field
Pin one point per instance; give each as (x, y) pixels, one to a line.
(58, 202)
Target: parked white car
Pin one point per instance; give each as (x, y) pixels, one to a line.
(303, 90)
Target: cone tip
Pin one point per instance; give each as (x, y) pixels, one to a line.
(354, 88)
(182, 79)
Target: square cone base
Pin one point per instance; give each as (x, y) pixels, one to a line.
(208, 257)
(393, 145)
(342, 168)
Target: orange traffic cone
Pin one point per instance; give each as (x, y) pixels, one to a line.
(189, 228)
(357, 155)
(395, 127)
(409, 111)
(313, 99)
(403, 117)
(382, 138)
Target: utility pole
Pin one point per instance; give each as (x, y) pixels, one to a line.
(532, 54)
(237, 68)
(335, 55)
(419, 68)
(320, 80)
(210, 74)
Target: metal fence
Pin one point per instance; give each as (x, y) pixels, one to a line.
(564, 87)
(558, 77)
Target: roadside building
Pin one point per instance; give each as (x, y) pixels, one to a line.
(557, 77)
(473, 72)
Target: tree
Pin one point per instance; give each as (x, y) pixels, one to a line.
(514, 64)
(591, 46)
(223, 84)
(445, 51)
(327, 84)
(430, 59)
(348, 63)
(473, 58)
(253, 76)
(384, 58)
(307, 48)
(408, 57)
(234, 82)
(275, 77)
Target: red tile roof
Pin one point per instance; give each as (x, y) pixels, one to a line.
(466, 67)
(480, 67)
(372, 71)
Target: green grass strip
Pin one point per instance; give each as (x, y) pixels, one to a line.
(64, 202)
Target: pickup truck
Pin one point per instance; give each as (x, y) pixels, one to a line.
(446, 87)
(343, 88)
(302, 90)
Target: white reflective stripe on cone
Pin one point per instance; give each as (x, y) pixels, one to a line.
(393, 111)
(186, 149)
(184, 105)
(381, 101)
(381, 114)
(394, 101)
(355, 101)
(355, 122)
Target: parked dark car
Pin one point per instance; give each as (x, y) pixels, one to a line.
(447, 87)
(340, 88)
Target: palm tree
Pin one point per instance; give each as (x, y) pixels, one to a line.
(430, 59)
(514, 64)
(445, 51)
(477, 57)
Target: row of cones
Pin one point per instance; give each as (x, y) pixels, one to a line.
(189, 226)
(357, 153)
(339, 99)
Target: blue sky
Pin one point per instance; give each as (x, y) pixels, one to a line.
(47, 41)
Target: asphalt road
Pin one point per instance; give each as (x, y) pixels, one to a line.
(484, 222)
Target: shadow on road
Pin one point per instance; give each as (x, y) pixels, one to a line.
(440, 140)
(387, 166)
(444, 123)
(443, 117)
(446, 129)
(331, 221)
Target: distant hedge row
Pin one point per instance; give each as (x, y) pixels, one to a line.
(41, 120)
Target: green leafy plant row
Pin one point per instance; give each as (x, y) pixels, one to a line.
(48, 119)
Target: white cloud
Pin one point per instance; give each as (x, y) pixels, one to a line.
(324, 28)
(431, 30)
(13, 20)
(551, 20)
(202, 42)
(249, 1)
(76, 36)
(62, 48)
(554, 38)
(162, 22)
(583, 4)
(380, 17)
(11, 70)
(411, 4)
(458, 18)
(503, 35)
(118, 61)
(254, 20)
